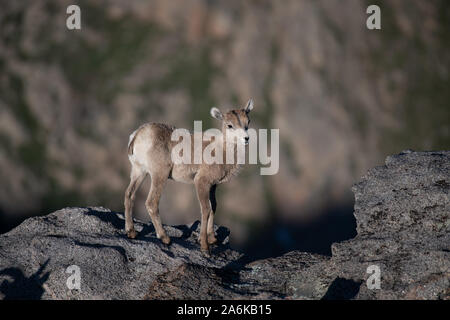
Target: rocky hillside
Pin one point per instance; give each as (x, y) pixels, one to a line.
(343, 96)
(403, 223)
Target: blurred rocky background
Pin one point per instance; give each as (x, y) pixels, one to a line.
(342, 96)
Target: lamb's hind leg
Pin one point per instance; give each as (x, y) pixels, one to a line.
(152, 204)
(136, 177)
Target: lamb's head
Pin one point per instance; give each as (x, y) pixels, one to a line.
(235, 122)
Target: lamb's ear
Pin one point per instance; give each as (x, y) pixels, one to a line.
(215, 113)
(249, 106)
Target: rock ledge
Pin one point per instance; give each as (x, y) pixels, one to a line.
(402, 211)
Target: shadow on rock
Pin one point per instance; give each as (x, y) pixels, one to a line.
(21, 287)
(108, 218)
(342, 289)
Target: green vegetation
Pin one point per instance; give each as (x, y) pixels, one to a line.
(423, 112)
(33, 151)
(58, 197)
(191, 68)
(96, 68)
(11, 31)
(267, 121)
(266, 115)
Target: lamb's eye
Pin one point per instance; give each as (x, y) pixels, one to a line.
(230, 126)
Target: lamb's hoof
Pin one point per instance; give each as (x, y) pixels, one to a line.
(206, 252)
(132, 234)
(165, 239)
(212, 239)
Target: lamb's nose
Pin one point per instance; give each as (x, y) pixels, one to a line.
(246, 139)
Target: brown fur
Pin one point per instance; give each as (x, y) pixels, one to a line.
(149, 151)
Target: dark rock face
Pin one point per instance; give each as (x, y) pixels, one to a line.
(402, 211)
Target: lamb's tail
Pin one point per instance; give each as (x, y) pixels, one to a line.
(131, 142)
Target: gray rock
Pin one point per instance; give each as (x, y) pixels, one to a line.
(36, 254)
(402, 211)
(263, 279)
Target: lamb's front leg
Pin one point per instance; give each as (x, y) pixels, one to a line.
(203, 186)
(210, 229)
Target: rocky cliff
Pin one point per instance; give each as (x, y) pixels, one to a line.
(402, 211)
